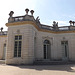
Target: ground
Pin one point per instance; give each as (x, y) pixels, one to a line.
(37, 69)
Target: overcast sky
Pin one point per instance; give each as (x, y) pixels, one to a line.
(60, 11)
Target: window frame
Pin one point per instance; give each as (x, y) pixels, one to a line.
(17, 45)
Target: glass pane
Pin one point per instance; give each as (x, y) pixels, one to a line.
(16, 43)
(16, 37)
(19, 43)
(62, 42)
(46, 42)
(15, 48)
(19, 49)
(20, 37)
(66, 42)
(65, 48)
(4, 45)
(44, 51)
(65, 51)
(48, 51)
(19, 53)
(15, 53)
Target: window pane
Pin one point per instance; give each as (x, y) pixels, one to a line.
(46, 42)
(16, 43)
(4, 45)
(66, 42)
(19, 49)
(62, 42)
(17, 46)
(16, 37)
(20, 37)
(15, 49)
(15, 53)
(19, 53)
(65, 51)
(44, 51)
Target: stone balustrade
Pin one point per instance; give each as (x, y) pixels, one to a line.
(31, 18)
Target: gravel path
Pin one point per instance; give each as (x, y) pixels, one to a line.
(37, 70)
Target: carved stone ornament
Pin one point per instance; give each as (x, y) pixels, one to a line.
(11, 13)
(27, 10)
(1, 29)
(48, 38)
(18, 31)
(32, 11)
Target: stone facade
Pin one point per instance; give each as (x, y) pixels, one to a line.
(35, 37)
(3, 42)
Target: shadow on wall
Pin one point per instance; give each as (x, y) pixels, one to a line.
(69, 67)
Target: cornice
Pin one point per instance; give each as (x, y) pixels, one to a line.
(39, 29)
(3, 35)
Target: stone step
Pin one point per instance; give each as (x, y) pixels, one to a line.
(52, 62)
(2, 61)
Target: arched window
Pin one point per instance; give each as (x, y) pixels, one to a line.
(47, 49)
(46, 42)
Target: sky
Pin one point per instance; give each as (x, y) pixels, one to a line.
(61, 11)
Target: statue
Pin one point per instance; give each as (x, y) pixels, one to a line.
(32, 11)
(55, 25)
(72, 23)
(37, 19)
(1, 29)
(27, 10)
(11, 19)
(11, 13)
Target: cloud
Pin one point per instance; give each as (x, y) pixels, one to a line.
(71, 17)
(60, 23)
(63, 23)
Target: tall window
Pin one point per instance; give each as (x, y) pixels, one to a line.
(17, 46)
(47, 49)
(65, 48)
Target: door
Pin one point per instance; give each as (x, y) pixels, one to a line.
(65, 54)
(47, 49)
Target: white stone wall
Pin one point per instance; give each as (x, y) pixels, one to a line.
(70, 37)
(33, 50)
(3, 40)
(28, 35)
(41, 36)
(56, 48)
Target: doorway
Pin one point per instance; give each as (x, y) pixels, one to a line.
(65, 50)
(47, 49)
